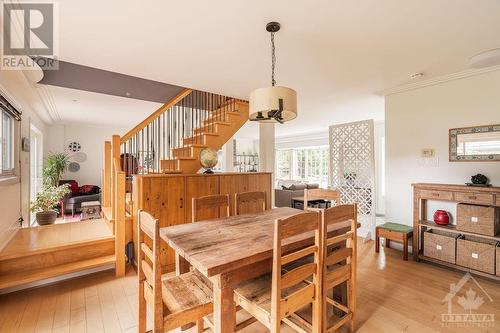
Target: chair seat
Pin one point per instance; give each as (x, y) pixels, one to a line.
(189, 292)
(396, 227)
(257, 294)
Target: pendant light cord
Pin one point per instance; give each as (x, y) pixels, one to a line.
(273, 60)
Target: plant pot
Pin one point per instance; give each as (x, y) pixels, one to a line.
(47, 217)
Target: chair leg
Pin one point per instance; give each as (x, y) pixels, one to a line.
(199, 325)
(377, 242)
(142, 310)
(387, 243)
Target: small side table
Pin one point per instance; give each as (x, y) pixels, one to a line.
(91, 210)
(396, 232)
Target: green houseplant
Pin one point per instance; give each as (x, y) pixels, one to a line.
(55, 165)
(45, 202)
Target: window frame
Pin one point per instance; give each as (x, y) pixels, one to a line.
(11, 174)
(305, 159)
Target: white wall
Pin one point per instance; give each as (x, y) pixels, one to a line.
(92, 140)
(421, 118)
(15, 194)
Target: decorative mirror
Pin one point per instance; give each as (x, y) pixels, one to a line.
(481, 143)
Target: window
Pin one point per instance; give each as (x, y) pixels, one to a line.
(308, 164)
(7, 144)
(9, 119)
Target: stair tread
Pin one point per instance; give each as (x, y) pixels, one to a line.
(35, 251)
(19, 278)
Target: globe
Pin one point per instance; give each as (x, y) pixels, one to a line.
(208, 159)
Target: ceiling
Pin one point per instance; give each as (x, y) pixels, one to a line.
(336, 54)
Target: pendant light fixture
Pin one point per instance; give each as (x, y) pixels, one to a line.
(273, 104)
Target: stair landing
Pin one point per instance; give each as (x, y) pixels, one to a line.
(42, 252)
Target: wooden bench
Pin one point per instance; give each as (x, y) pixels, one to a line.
(395, 232)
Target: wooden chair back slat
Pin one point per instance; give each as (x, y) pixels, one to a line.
(147, 251)
(340, 214)
(210, 207)
(150, 273)
(298, 224)
(282, 306)
(250, 202)
(298, 254)
(321, 193)
(297, 300)
(297, 275)
(338, 256)
(337, 276)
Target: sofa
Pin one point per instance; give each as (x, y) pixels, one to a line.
(286, 190)
(73, 201)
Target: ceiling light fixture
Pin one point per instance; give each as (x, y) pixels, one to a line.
(273, 104)
(485, 59)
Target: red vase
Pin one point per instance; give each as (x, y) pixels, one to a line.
(441, 217)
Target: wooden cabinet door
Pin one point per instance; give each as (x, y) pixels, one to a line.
(232, 184)
(199, 186)
(164, 199)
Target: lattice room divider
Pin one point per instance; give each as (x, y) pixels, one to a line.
(352, 169)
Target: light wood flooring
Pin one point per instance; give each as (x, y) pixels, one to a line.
(394, 296)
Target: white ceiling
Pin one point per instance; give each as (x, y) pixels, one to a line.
(78, 106)
(337, 54)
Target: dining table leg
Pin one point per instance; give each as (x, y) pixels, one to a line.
(224, 306)
(181, 265)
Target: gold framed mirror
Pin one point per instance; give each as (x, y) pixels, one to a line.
(479, 143)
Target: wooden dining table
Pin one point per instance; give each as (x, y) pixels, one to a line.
(231, 250)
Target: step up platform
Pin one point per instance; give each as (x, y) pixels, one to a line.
(39, 253)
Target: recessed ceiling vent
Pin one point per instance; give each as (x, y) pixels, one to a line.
(485, 59)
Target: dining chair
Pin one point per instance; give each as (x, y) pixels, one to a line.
(338, 267)
(273, 297)
(175, 301)
(321, 193)
(210, 207)
(250, 202)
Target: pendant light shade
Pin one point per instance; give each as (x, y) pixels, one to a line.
(273, 104)
(265, 104)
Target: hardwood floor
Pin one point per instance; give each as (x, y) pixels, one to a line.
(393, 296)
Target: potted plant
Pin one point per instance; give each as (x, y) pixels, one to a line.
(55, 165)
(45, 202)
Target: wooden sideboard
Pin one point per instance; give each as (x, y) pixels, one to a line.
(168, 197)
(422, 192)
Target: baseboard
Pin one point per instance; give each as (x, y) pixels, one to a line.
(60, 278)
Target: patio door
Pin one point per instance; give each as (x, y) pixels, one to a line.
(36, 164)
(352, 170)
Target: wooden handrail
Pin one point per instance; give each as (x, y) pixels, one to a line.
(155, 115)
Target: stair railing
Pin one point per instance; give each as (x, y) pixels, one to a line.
(169, 133)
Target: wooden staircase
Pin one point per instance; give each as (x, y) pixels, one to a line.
(212, 134)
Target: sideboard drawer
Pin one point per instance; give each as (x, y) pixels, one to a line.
(498, 200)
(441, 195)
(474, 198)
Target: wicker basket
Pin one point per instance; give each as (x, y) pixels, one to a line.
(476, 253)
(481, 220)
(440, 245)
(498, 259)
